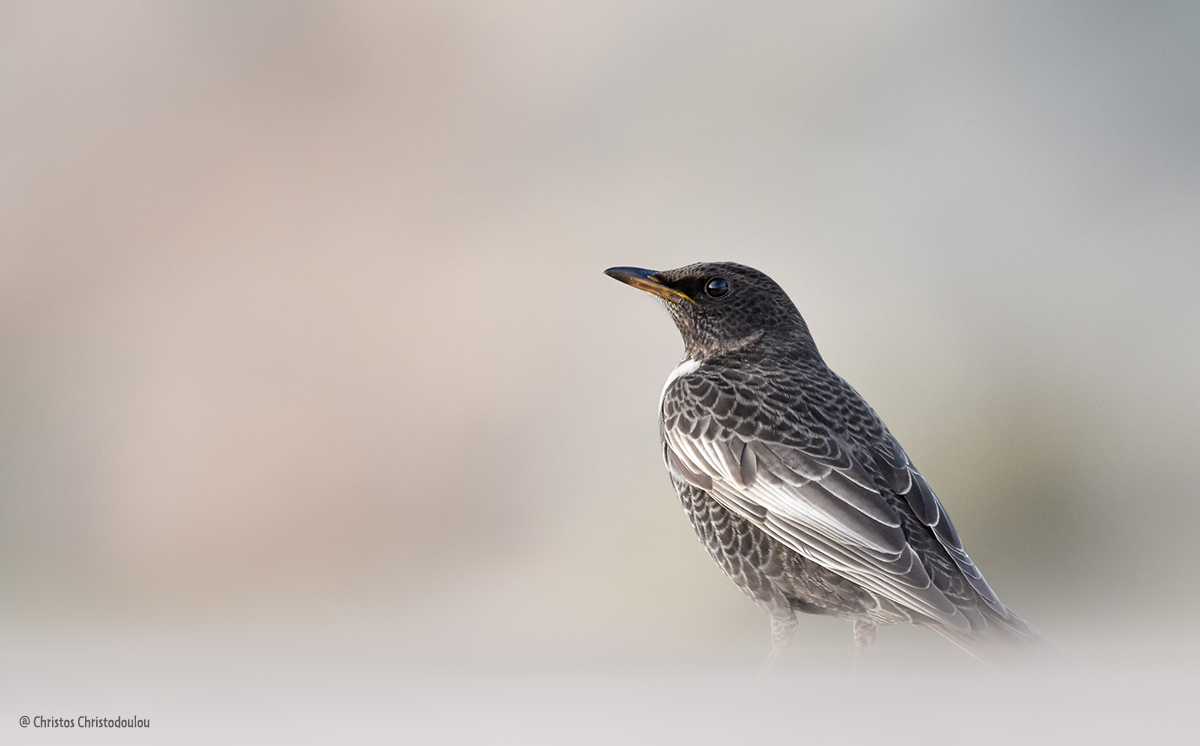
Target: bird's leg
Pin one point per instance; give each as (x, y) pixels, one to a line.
(783, 627)
(864, 636)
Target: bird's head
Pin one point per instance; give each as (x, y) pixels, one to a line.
(718, 306)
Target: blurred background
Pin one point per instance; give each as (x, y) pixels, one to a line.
(311, 385)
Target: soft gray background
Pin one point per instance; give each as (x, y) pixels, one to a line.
(310, 382)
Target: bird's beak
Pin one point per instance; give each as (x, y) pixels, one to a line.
(645, 279)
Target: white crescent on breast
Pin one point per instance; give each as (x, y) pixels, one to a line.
(685, 367)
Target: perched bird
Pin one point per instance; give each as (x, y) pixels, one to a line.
(793, 483)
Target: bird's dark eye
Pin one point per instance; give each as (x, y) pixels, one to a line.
(717, 287)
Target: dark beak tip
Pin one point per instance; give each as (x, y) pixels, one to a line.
(624, 273)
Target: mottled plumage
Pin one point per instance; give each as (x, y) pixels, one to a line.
(793, 483)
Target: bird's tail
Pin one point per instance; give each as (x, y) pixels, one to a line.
(1004, 642)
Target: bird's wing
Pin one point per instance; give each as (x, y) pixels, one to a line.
(809, 491)
(905, 481)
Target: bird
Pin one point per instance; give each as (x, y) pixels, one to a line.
(793, 483)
